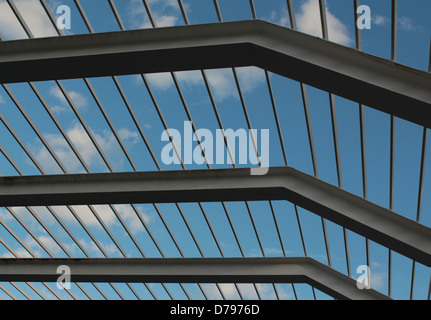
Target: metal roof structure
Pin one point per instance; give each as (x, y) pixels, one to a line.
(84, 184)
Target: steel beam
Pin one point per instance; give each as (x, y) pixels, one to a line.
(191, 270)
(285, 183)
(385, 85)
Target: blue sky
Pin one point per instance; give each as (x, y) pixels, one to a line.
(414, 30)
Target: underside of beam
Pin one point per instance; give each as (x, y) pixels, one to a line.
(372, 81)
(191, 270)
(285, 183)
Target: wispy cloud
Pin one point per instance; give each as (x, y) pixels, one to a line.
(20, 252)
(128, 135)
(404, 23)
(280, 17)
(78, 99)
(380, 20)
(222, 81)
(308, 20)
(165, 13)
(407, 24)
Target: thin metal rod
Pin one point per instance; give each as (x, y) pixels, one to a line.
(277, 228)
(358, 33)
(233, 229)
(183, 12)
(277, 121)
(309, 129)
(314, 161)
(109, 122)
(300, 230)
(20, 18)
(20, 290)
(255, 228)
(294, 292)
(84, 125)
(394, 27)
(51, 17)
(253, 9)
(116, 14)
(420, 197)
(136, 122)
(84, 16)
(391, 194)
(8, 292)
(217, 8)
(291, 10)
(358, 40)
(247, 118)
(162, 119)
(323, 19)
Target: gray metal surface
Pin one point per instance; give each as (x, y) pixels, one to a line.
(285, 183)
(372, 81)
(191, 270)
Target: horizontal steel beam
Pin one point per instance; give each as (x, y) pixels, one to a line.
(285, 183)
(378, 83)
(191, 270)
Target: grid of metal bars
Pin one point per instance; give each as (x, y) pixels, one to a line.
(324, 24)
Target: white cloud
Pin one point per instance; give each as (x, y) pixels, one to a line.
(162, 21)
(380, 20)
(165, 13)
(20, 252)
(229, 290)
(63, 152)
(407, 24)
(90, 246)
(87, 217)
(280, 17)
(248, 291)
(50, 244)
(165, 3)
(221, 80)
(5, 215)
(191, 78)
(32, 13)
(126, 134)
(78, 99)
(223, 83)
(378, 280)
(85, 147)
(132, 220)
(308, 21)
(162, 81)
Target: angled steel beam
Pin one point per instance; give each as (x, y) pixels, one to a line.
(192, 270)
(285, 183)
(385, 85)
